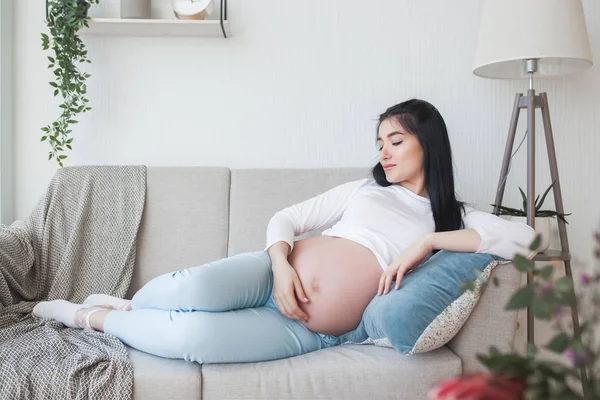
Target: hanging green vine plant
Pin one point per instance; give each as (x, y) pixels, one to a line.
(64, 19)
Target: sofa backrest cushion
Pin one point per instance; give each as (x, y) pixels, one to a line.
(257, 194)
(185, 221)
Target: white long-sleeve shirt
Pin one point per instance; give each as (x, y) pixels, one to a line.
(387, 220)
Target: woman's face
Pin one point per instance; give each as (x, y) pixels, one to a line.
(402, 149)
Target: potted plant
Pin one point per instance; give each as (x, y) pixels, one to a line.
(512, 375)
(542, 217)
(64, 19)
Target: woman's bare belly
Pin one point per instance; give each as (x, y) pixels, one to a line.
(340, 278)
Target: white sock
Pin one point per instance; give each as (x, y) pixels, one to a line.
(104, 299)
(59, 310)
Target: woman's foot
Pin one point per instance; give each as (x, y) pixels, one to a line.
(70, 314)
(106, 300)
(60, 310)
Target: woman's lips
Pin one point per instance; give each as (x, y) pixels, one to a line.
(388, 167)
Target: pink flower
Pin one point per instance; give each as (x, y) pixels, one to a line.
(579, 358)
(558, 312)
(478, 386)
(547, 287)
(585, 279)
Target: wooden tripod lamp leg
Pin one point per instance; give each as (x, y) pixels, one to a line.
(562, 228)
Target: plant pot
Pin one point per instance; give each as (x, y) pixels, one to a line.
(136, 9)
(542, 226)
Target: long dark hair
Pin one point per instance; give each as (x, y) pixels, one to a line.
(423, 120)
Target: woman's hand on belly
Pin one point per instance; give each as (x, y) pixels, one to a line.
(339, 277)
(286, 286)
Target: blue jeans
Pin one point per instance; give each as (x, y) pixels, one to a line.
(221, 312)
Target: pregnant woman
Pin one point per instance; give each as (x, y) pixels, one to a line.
(297, 297)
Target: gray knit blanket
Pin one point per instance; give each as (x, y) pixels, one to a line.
(80, 239)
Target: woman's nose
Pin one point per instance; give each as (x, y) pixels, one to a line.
(384, 153)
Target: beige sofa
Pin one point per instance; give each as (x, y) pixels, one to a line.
(194, 215)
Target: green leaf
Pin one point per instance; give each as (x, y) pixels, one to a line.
(62, 157)
(564, 284)
(559, 343)
(496, 281)
(544, 196)
(536, 242)
(596, 387)
(522, 298)
(545, 272)
(53, 84)
(55, 92)
(509, 211)
(522, 264)
(524, 200)
(43, 138)
(532, 350)
(541, 309)
(72, 121)
(467, 286)
(50, 156)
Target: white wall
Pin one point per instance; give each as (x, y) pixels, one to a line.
(300, 84)
(6, 113)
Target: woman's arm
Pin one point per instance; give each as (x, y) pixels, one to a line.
(498, 236)
(483, 233)
(466, 240)
(315, 213)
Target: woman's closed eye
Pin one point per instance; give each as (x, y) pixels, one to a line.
(395, 144)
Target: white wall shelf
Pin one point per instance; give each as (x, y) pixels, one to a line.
(159, 27)
(155, 27)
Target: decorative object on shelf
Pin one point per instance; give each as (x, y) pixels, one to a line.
(136, 9)
(547, 37)
(193, 9)
(543, 379)
(64, 19)
(542, 217)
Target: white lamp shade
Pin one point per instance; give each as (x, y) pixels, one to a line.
(512, 31)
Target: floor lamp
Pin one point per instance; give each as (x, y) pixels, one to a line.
(517, 39)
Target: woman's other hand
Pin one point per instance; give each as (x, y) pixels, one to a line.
(286, 288)
(406, 261)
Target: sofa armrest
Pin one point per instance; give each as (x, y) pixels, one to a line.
(16, 259)
(489, 324)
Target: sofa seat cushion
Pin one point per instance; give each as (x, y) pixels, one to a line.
(164, 378)
(341, 372)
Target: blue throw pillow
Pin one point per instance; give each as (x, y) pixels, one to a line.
(428, 310)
